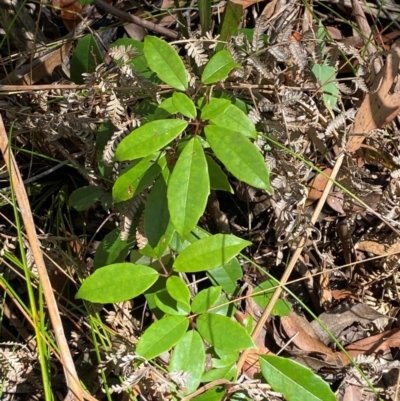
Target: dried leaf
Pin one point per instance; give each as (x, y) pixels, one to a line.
(344, 316)
(378, 108)
(379, 343)
(371, 246)
(306, 339)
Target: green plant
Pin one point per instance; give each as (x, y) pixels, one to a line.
(172, 162)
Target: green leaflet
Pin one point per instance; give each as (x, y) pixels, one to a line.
(126, 185)
(184, 105)
(281, 307)
(161, 336)
(224, 333)
(294, 381)
(116, 283)
(218, 68)
(169, 305)
(178, 289)
(149, 138)
(86, 57)
(234, 119)
(239, 156)
(218, 179)
(326, 75)
(214, 108)
(112, 249)
(205, 299)
(189, 356)
(188, 188)
(85, 197)
(209, 253)
(165, 62)
(157, 222)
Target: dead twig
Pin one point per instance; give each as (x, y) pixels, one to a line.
(124, 16)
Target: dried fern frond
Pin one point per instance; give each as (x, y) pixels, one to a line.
(350, 50)
(124, 53)
(279, 53)
(114, 110)
(141, 238)
(109, 149)
(254, 116)
(299, 55)
(261, 25)
(237, 54)
(340, 121)
(196, 51)
(129, 214)
(259, 66)
(389, 203)
(345, 89)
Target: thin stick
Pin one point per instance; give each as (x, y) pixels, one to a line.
(124, 16)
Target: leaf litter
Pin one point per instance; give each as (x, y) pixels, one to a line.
(308, 115)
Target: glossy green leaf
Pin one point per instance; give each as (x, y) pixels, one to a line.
(149, 138)
(205, 299)
(169, 305)
(293, 380)
(218, 179)
(163, 59)
(189, 356)
(112, 249)
(165, 109)
(281, 307)
(157, 223)
(209, 253)
(184, 104)
(239, 156)
(326, 75)
(214, 108)
(227, 275)
(86, 57)
(161, 336)
(223, 307)
(234, 119)
(178, 289)
(224, 333)
(222, 359)
(125, 186)
(188, 188)
(150, 175)
(218, 68)
(116, 283)
(85, 197)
